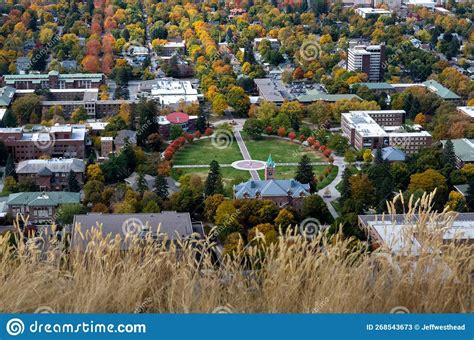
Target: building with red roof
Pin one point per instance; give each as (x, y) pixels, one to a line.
(186, 122)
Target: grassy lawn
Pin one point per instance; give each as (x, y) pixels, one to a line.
(203, 152)
(228, 175)
(282, 151)
(288, 172)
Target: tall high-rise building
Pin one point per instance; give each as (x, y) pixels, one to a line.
(368, 59)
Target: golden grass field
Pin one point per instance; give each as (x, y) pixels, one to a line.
(294, 275)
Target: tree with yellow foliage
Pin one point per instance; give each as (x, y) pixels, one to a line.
(124, 112)
(94, 173)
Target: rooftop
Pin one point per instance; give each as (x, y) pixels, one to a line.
(467, 110)
(440, 90)
(364, 124)
(53, 198)
(271, 188)
(272, 90)
(63, 165)
(398, 232)
(6, 95)
(177, 118)
(67, 77)
(391, 154)
(172, 224)
(463, 148)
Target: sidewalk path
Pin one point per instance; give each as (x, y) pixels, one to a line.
(245, 152)
(335, 194)
(184, 166)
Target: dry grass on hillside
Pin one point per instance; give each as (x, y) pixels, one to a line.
(294, 276)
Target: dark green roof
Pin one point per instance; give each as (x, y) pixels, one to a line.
(313, 96)
(375, 86)
(38, 198)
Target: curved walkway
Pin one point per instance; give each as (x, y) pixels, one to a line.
(335, 194)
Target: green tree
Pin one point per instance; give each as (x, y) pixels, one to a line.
(66, 212)
(79, 115)
(176, 131)
(305, 172)
(142, 185)
(93, 191)
(25, 108)
(315, 207)
(151, 207)
(253, 127)
(345, 188)
(147, 122)
(10, 167)
(379, 175)
(72, 182)
(238, 99)
(161, 187)
(214, 183)
(449, 156)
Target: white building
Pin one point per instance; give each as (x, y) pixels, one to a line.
(421, 3)
(398, 233)
(368, 59)
(170, 92)
(468, 111)
(366, 12)
(365, 131)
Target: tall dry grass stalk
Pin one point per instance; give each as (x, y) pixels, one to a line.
(294, 275)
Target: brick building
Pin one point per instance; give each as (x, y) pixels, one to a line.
(53, 80)
(281, 192)
(51, 174)
(380, 129)
(186, 122)
(67, 141)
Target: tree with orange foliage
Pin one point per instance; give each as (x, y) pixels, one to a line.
(91, 63)
(93, 47)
